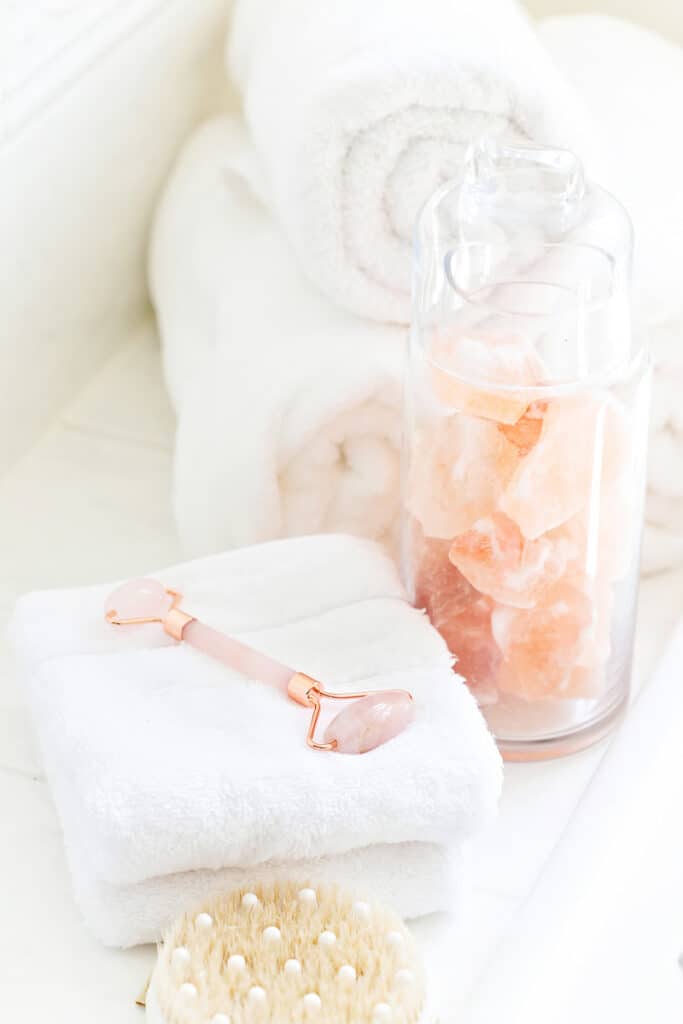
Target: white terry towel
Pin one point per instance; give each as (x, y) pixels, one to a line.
(413, 878)
(361, 110)
(164, 762)
(288, 408)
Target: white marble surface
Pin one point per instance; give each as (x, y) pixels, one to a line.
(91, 501)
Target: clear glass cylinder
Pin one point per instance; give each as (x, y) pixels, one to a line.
(525, 435)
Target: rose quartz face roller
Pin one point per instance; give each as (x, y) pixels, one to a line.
(371, 719)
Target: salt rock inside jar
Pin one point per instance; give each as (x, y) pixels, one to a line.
(597, 586)
(526, 431)
(582, 448)
(497, 560)
(542, 646)
(461, 615)
(460, 467)
(477, 374)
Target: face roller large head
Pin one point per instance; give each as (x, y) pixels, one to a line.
(370, 719)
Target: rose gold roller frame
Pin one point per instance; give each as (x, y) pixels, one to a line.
(299, 687)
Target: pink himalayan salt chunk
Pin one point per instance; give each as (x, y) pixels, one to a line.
(459, 471)
(597, 637)
(461, 614)
(542, 646)
(526, 431)
(497, 560)
(139, 599)
(478, 374)
(583, 446)
(370, 721)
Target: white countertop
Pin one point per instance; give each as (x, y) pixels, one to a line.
(91, 502)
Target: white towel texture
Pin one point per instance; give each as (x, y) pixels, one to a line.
(413, 878)
(288, 408)
(360, 111)
(173, 775)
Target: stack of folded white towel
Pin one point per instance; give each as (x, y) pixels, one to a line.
(280, 260)
(176, 778)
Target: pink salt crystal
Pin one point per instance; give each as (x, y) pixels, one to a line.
(139, 599)
(526, 431)
(542, 646)
(460, 613)
(582, 447)
(459, 471)
(484, 362)
(497, 560)
(439, 587)
(370, 721)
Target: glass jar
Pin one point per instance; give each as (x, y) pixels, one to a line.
(525, 437)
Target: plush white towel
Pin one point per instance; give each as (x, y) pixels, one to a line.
(360, 110)
(413, 878)
(288, 408)
(253, 353)
(162, 761)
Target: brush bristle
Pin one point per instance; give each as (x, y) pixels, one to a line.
(294, 954)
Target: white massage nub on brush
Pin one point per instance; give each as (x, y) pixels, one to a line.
(287, 953)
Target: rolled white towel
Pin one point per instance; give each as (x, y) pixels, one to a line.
(632, 79)
(360, 110)
(288, 408)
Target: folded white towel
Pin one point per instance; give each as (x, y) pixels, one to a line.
(162, 761)
(413, 878)
(288, 408)
(360, 110)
